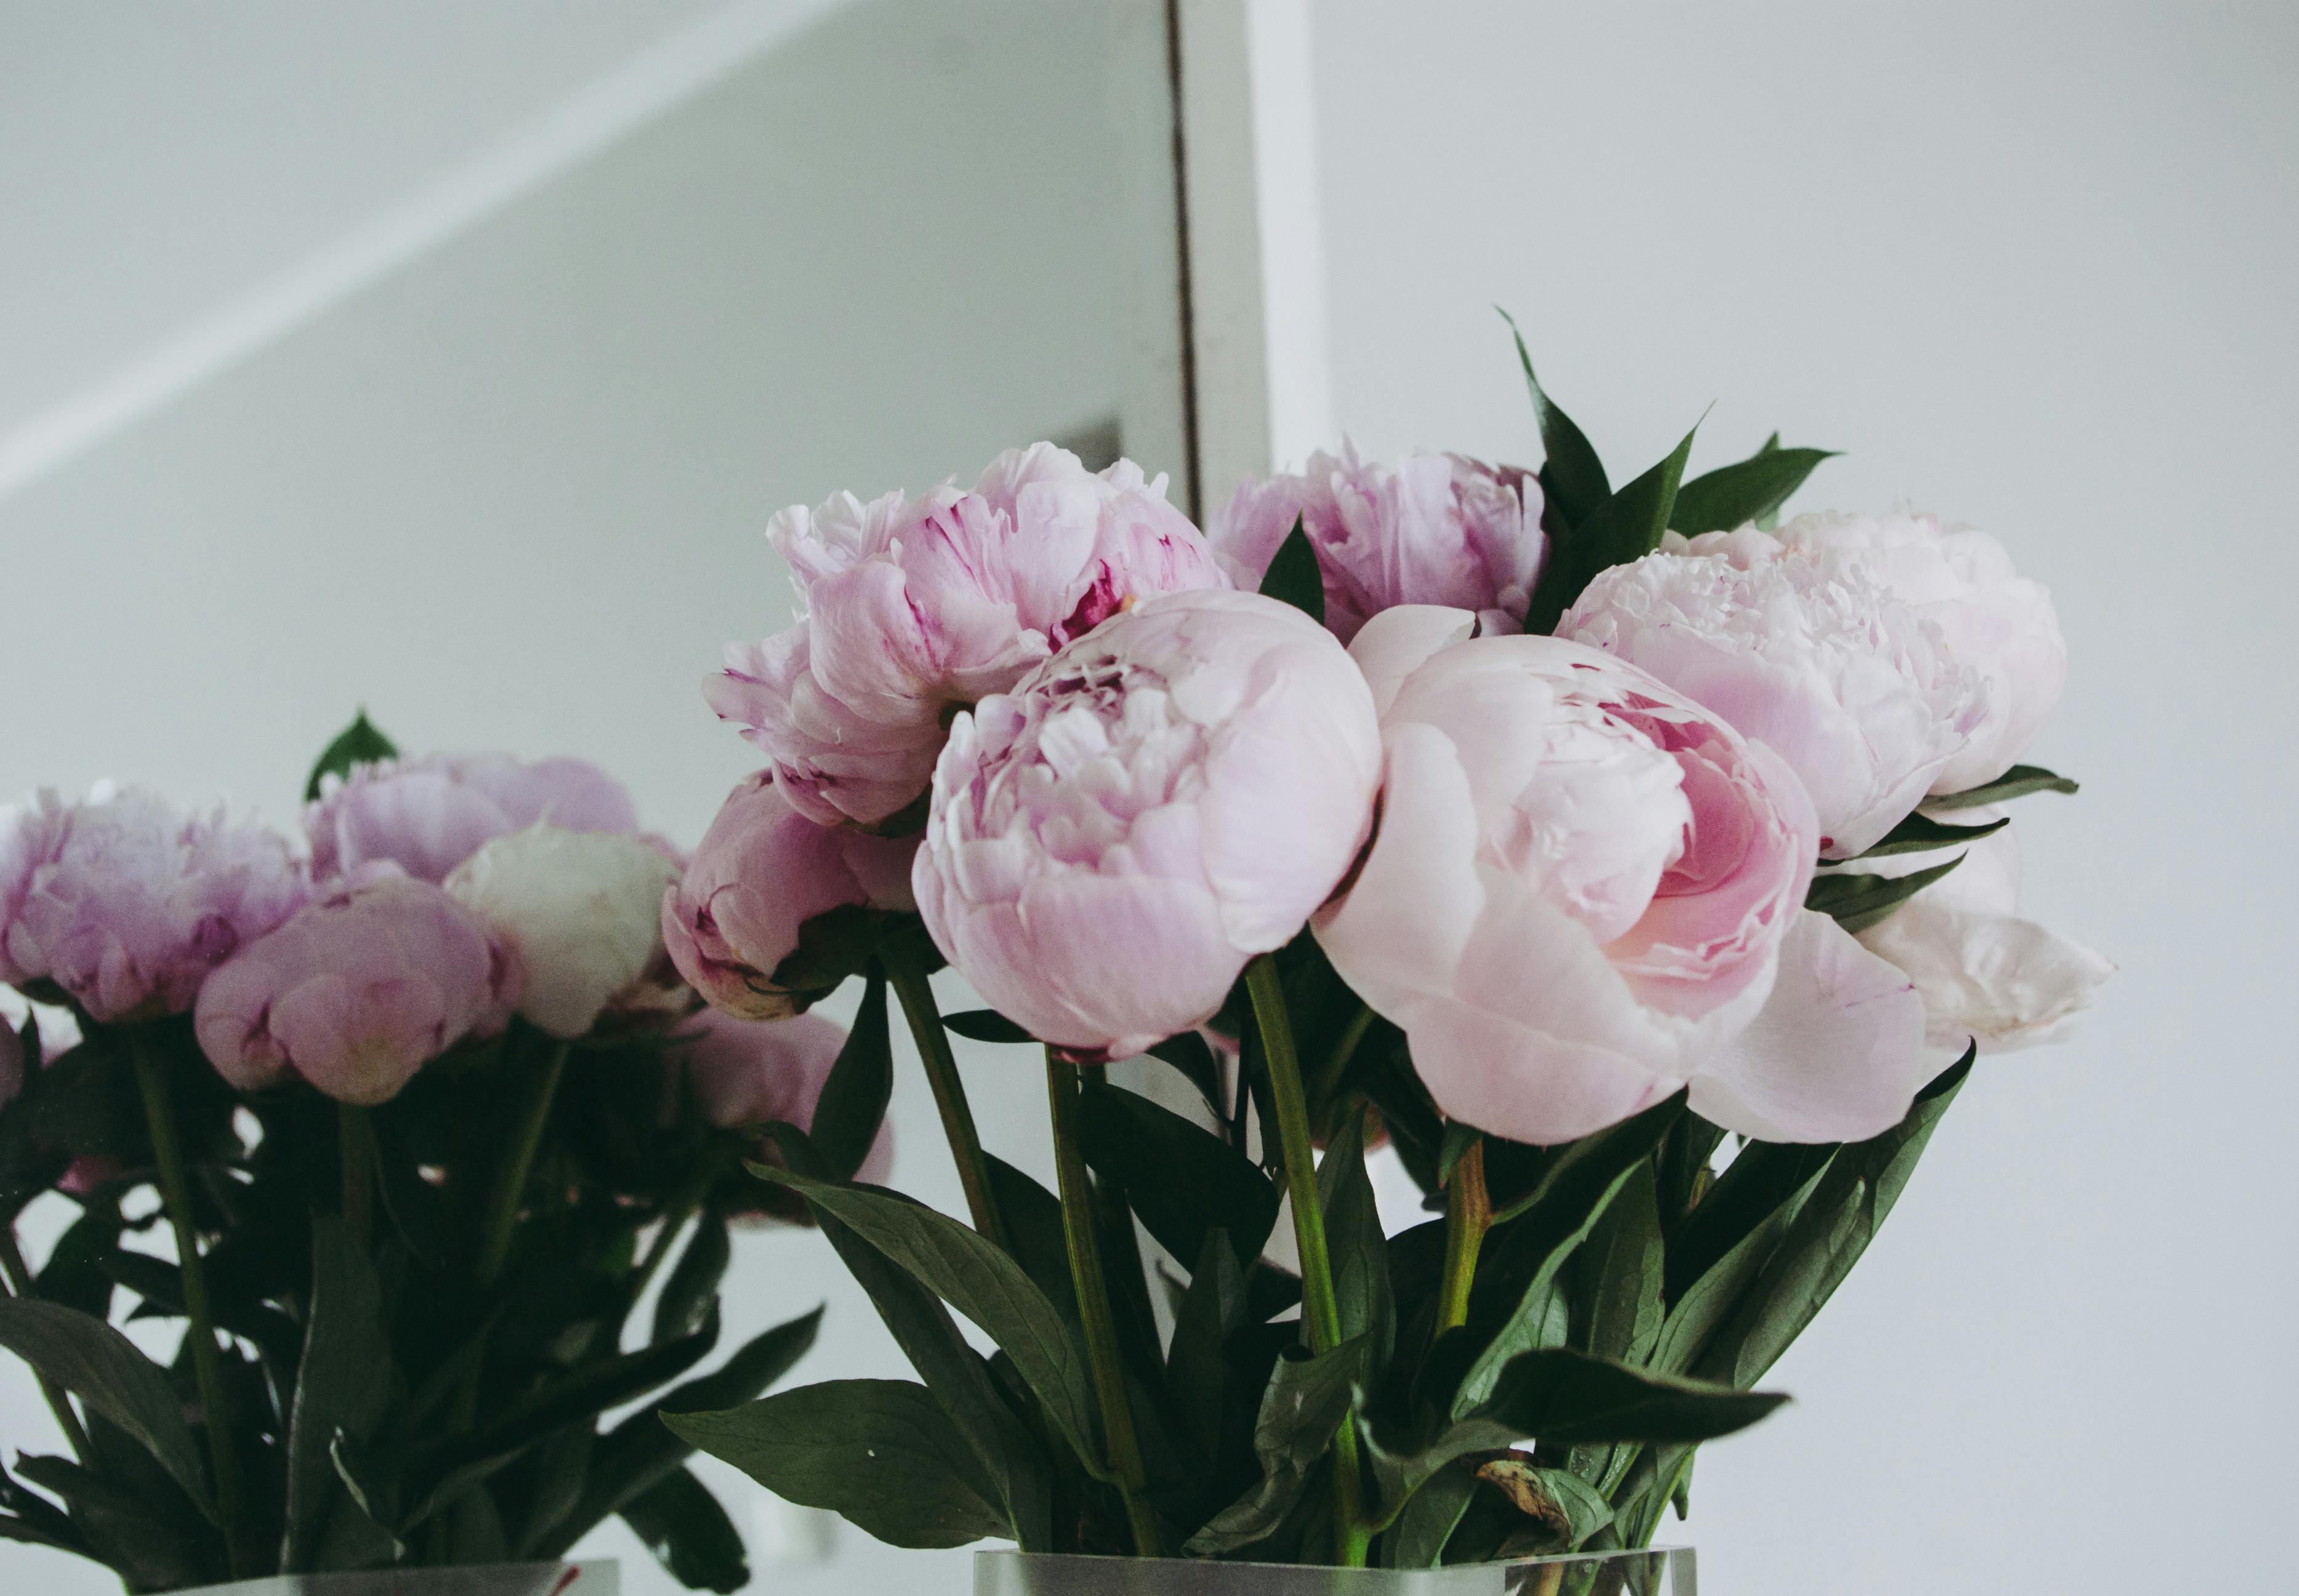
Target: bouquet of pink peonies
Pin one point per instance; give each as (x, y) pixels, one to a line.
(1631, 867)
(428, 1111)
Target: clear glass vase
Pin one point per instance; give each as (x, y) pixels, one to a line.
(600, 1577)
(1662, 1571)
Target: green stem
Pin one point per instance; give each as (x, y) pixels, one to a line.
(1092, 1285)
(510, 1182)
(18, 1277)
(207, 1364)
(356, 1152)
(1320, 1310)
(1468, 1212)
(918, 1000)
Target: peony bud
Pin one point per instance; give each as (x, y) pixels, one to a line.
(1580, 899)
(427, 816)
(1432, 529)
(915, 610)
(1807, 652)
(582, 910)
(1164, 799)
(356, 993)
(126, 905)
(761, 872)
(1994, 622)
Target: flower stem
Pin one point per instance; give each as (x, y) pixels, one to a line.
(207, 1364)
(1320, 1310)
(1329, 1076)
(356, 1152)
(917, 1000)
(511, 1182)
(1468, 1211)
(1062, 1088)
(18, 1277)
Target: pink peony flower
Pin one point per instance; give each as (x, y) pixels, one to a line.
(1805, 651)
(356, 993)
(762, 871)
(126, 905)
(745, 1073)
(1164, 799)
(916, 609)
(1994, 622)
(1986, 974)
(581, 911)
(1580, 896)
(1432, 529)
(428, 815)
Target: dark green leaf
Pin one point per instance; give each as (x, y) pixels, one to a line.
(1033, 1224)
(1294, 576)
(1196, 1371)
(1761, 1179)
(358, 744)
(1417, 1539)
(880, 1453)
(585, 1391)
(630, 1458)
(853, 1107)
(343, 1383)
(1830, 1232)
(690, 1534)
(975, 1277)
(1746, 491)
(985, 1025)
(692, 1286)
(2017, 782)
(832, 946)
(103, 1368)
(1353, 1241)
(1565, 1398)
(1572, 478)
(1626, 526)
(150, 1547)
(1305, 1403)
(1920, 833)
(1187, 1051)
(1182, 1179)
(1617, 1307)
(1856, 902)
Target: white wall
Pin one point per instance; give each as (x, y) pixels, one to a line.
(2031, 265)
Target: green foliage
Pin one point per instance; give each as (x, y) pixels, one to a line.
(358, 744)
(2017, 782)
(1748, 490)
(852, 1105)
(382, 1406)
(1294, 576)
(1857, 901)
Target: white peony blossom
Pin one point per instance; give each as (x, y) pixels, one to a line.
(583, 912)
(1806, 651)
(1994, 620)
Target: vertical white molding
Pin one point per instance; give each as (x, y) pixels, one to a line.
(1153, 397)
(1256, 287)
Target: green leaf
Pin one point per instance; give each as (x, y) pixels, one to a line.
(358, 744)
(852, 1106)
(343, 1382)
(588, 1390)
(1626, 526)
(1033, 1224)
(690, 1534)
(1417, 1539)
(1693, 1322)
(882, 1454)
(128, 1529)
(975, 1277)
(103, 1368)
(632, 1457)
(1920, 833)
(1830, 1230)
(1746, 491)
(1617, 1305)
(832, 946)
(1764, 1179)
(686, 1296)
(1301, 1411)
(1198, 1372)
(985, 1025)
(1187, 1051)
(1294, 577)
(2017, 782)
(1573, 478)
(1856, 902)
(1182, 1179)
(1353, 1241)
(1565, 1398)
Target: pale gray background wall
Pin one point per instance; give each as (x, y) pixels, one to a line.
(2031, 265)
(2028, 264)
